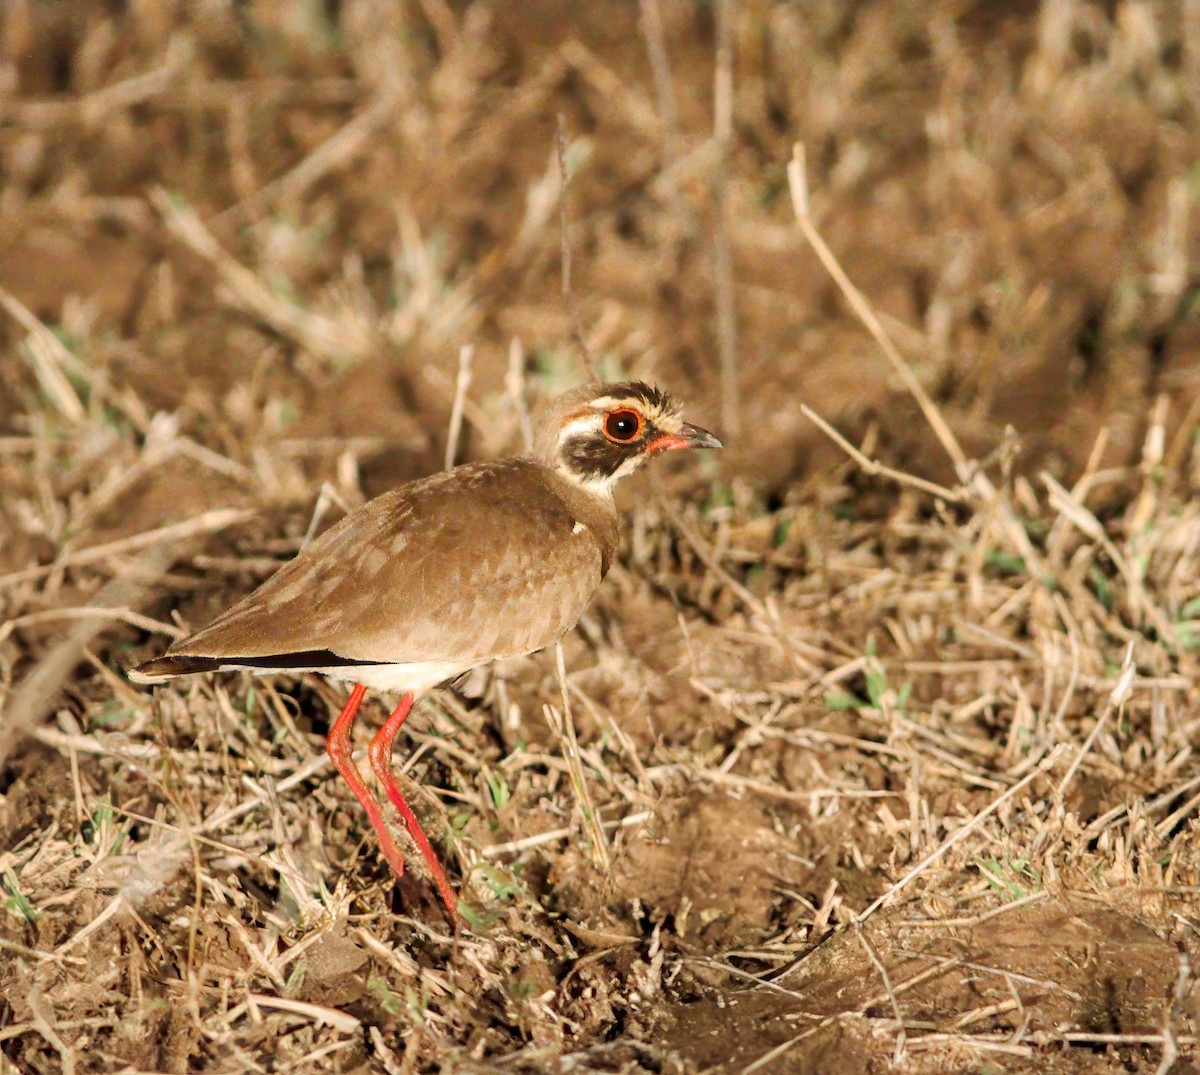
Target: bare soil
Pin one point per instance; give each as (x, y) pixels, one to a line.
(891, 777)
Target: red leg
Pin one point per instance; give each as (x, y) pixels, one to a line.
(381, 762)
(340, 753)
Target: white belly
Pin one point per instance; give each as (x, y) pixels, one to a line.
(394, 678)
(397, 678)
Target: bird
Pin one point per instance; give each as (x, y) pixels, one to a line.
(440, 575)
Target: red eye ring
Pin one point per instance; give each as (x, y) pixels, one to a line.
(623, 426)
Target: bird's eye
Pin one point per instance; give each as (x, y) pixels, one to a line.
(622, 426)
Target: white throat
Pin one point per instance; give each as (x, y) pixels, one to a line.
(602, 485)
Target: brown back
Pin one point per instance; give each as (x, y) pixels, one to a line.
(486, 560)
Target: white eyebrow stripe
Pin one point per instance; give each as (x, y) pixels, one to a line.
(588, 424)
(609, 402)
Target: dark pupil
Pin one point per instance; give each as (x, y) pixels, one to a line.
(622, 425)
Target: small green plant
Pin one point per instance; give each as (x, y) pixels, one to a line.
(720, 495)
(877, 683)
(390, 1002)
(415, 1003)
(504, 884)
(250, 704)
(103, 831)
(844, 700)
(1014, 880)
(17, 902)
(457, 825)
(477, 920)
(112, 713)
(877, 689)
(295, 980)
(1101, 588)
(521, 988)
(1187, 627)
(1006, 562)
(498, 789)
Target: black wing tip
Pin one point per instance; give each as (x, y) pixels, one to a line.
(168, 666)
(160, 669)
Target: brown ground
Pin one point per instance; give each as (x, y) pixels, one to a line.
(240, 250)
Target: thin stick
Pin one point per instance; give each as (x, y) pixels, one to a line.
(37, 953)
(551, 835)
(514, 383)
(335, 339)
(969, 474)
(87, 744)
(727, 340)
(339, 150)
(1116, 700)
(1085, 1038)
(706, 556)
(974, 1041)
(339, 1020)
(791, 795)
(1087, 523)
(466, 355)
(978, 919)
(872, 466)
(91, 612)
(798, 185)
(218, 821)
(29, 701)
(50, 358)
(877, 963)
(660, 66)
(95, 924)
(791, 645)
(1046, 764)
(328, 495)
(41, 1021)
(575, 765)
(585, 352)
(1174, 1010)
(93, 108)
(206, 523)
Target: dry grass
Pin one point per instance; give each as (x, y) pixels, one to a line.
(858, 760)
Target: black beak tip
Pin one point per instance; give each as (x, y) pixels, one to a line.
(700, 438)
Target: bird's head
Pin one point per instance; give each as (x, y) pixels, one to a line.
(598, 433)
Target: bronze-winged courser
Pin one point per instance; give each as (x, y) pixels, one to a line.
(431, 579)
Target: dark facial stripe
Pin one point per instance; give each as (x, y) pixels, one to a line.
(589, 455)
(592, 455)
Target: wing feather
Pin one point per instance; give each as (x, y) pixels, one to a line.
(485, 560)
